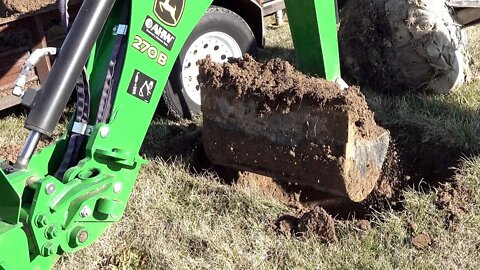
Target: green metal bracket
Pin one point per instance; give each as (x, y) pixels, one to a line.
(42, 217)
(314, 31)
(11, 237)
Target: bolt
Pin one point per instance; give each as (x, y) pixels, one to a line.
(86, 211)
(50, 188)
(117, 187)
(104, 131)
(82, 236)
(32, 180)
(49, 249)
(51, 232)
(41, 221)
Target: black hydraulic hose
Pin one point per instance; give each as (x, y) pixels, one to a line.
(82, 113)
(69, 64)
(64, 16)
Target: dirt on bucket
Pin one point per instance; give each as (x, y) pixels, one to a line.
(271, 119)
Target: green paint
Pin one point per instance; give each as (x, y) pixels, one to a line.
(65, 215)
(313, 24)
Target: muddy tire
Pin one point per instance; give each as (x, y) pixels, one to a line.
(397, 46)
(221, 34)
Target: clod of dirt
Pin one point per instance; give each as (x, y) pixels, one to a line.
(364, 225)
(421, 241)
(287, 225)
(315, 222)
(318, 222)
(452, 198)
(395, 46)
(273, 120)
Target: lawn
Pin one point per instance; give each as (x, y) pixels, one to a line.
(180, 217)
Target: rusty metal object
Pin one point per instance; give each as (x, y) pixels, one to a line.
(13, 57)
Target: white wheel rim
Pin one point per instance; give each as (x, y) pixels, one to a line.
(219, 46)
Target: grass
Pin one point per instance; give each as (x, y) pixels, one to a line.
(177, 219)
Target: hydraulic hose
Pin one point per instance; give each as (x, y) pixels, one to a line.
(67, 68)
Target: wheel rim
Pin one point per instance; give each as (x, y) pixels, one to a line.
(219, 46)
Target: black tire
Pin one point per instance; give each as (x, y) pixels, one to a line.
(176, 100)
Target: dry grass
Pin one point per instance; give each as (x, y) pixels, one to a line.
(180, 220)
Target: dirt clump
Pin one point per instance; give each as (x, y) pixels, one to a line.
(421, 241)
(364, 225)
(320, 223)
(452, 198)
(287, 225)
(313, 222)
(273, 120)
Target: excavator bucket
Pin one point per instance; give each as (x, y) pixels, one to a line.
(273, 120)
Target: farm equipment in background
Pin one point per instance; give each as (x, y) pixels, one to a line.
(121, 57)
(43, 31)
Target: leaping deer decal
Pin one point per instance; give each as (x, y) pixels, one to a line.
(165, 6)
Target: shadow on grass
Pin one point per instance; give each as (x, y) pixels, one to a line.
(16, 111)
(430, 137)
(432, 133)
(177, 142)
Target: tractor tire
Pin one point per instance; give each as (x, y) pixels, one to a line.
(398, 46)
(222, 34)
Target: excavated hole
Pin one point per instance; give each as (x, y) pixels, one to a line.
(410, 164)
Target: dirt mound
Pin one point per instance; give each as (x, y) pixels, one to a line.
(277, 86)
(396, 46)
(271, 119)
(319, 222)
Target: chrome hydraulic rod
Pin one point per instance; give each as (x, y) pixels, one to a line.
(28, 150)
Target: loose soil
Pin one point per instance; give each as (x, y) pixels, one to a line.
(310, 131)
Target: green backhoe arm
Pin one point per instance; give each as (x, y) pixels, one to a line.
(42, 216)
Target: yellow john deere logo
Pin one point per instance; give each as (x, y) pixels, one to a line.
(169, 11)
